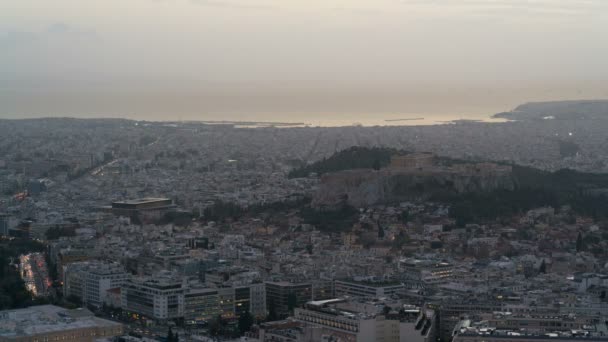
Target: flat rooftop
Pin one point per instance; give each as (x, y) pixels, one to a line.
(45, 319)
(145, 200)
(372, 283)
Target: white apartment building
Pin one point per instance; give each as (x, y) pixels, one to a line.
(90, 280)
(337, 320)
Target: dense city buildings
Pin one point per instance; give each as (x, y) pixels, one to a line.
(458, 232)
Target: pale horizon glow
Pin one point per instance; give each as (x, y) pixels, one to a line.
(285, 60)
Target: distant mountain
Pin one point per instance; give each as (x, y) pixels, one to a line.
(559, 110)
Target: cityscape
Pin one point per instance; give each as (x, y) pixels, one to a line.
(164, 231)
(303, 171)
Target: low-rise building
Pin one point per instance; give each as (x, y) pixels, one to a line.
(53, 323)
(367, 287)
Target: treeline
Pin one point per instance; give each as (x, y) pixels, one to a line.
(349, 159)
(563, 181)
(332, 220)
(476, 207)
(583, 192)
(57, 232)
(221, 211)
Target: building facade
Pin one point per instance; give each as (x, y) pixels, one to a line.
(160, 298)
(90, 281)
(283, 297)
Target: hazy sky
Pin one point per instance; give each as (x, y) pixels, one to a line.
(283, 58)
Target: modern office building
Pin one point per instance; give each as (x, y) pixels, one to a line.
(257, 303)
(4, 224)
(323, 289)
(201, 305)
(160, 297)
(90, 281)
(69, 256)
(367, 288)
(283, 297)
(52, 323)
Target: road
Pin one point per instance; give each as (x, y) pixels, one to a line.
(35, 275)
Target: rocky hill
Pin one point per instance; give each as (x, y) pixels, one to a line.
(364, 187)
(481, 190)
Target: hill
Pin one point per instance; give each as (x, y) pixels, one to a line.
(559, 110)
(349, 159)
(483, 196)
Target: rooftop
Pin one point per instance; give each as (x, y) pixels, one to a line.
(46, 319)
(143, 200)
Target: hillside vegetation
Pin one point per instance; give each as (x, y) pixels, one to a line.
(349, 159)
(586, 193)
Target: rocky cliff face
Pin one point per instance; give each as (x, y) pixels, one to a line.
(367, 187)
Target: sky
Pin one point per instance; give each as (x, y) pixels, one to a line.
(290, 60)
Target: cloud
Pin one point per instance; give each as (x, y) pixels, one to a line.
(10, 39)
(360, 10)
(15, 38)
(540, 7)
(232, 5)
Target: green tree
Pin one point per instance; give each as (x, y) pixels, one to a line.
(170, 336)
(245, 322)
(386, 310)
(543, 267)
(405, 215)
(376, 165)
(292, 301)
(216, 326)
(579, 243)
(272, 312)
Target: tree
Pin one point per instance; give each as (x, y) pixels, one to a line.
(216, 326)
(176, 337)
(376, 165)
(400, 240)
(543, 267)
(386, 310)
(170, 335)
(436, 244)
(272, 312)
(245, 322)
(380, 232)
(405, 215)
(579, 243)
(309, 248)
(292, 301)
